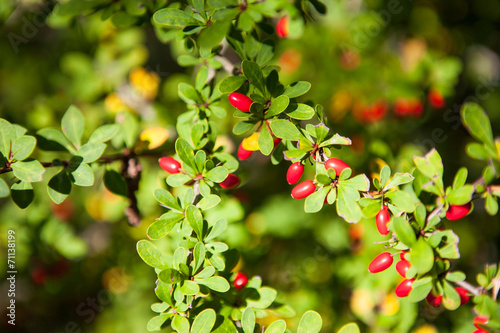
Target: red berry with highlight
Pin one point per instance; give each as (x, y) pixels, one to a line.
(240, 101)
(170, 165)
(282, 27)
(434, 301)
(436, 99)
(294, 173)
(402, 267)
(456, 212)
(483, 320)
(381, 262)
(230, 182)
(244, 154)
(240, 281)
(464, 298)
(337, 164)
(382, 219)
(404, 288)
(303, 190)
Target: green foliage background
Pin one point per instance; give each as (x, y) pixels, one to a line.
(86, 250)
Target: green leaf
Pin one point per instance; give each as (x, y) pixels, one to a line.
(189, 287)
(72, 125)
(347, 206)
(336, 140)
(359, 183)
(170, 276)
(195, 220)
(22, 147)
(217, 174)
(266, 143)
(451, 298)
(279, 326)
(177, 179)
(399, 179)
(59, 187)
(248, 320)
(180, 324)
(52, 139)
(185, 152)
(310, 322)
(91, 151)
(151, 254)
(83, 175)
(104, 133)
(491, 204)
(460, 178)
(455, 276)
(212, 36)
(204, 321)
(299, 111)
(285, 130)
(315, 201)
(231, 83)
(242, 127)
(202, 76)
(4, 189)
(216, 283)
(31, 171)
(420, 289)
(173, 17)
(385, 174)
(199, 256)
(402, 200)
(22, 194)
(155, 323)
(431, 166)
(277, 106)
(187, 93)
(404, 231)
(450, 249)
(422, 256)
(461, 195)
(208, 202)
(161, 227)
(478, 124)
(218, 228)
(297, 89)
(349, 328)
(166, 199)
(477, 151)
(7, 135)
(115, 183)
(266, 298)
(252, 72)
(420, 214)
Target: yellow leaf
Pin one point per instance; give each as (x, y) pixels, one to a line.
(146, 83)
(251, 142)
(114, 103)
(155, 135)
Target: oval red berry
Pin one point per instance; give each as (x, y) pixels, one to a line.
(240, 281)
(240, 101)
(230, 182)
(404, 288)
(381, 262)
(383, 217)
(244, 154)
(282, 27)
(402, 267)
(294, 173)
(303, 190)
(337, 164)
(434, 301)
(456, 212)
(169, 164)
(464, 298)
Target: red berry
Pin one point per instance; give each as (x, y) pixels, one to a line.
(402, 267)
(303, 190)
(336, 164)
(483, 320)
(230, 182)
(436, 99)
(402, 255)
(416, 108)
(169, 164)
(240, 281)
(294, 173)
(240, 101)
(434, 301)
(39, 275)
(456, 212)
(381, 262)
(464, 298)
(282, 27)
(382, 219)
(276, 142)
(402, 107)
(480, 330)
(404, 288)
(244, 154)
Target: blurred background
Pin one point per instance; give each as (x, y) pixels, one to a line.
(391, 75)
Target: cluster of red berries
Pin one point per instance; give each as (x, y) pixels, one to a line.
(384, 260)
(172, 166)
(307, 187)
